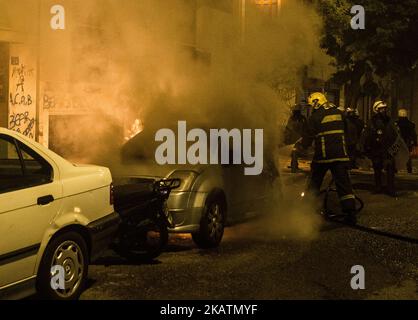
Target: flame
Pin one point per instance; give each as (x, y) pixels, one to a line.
(136, 128)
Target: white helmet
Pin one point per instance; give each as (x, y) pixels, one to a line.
(379, 105)
(403, 113)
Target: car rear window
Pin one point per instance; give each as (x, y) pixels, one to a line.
(21, 167)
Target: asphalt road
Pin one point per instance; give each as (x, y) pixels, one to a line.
(291, 254)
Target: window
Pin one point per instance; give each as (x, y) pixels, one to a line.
(11, 171)
(20, 166)
(37, 170)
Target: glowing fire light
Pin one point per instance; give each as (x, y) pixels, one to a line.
(136, 128)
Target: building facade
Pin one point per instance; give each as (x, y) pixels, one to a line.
(50, 79)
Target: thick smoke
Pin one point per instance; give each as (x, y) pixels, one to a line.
(233, 79)
(250, 82)
(165, 61)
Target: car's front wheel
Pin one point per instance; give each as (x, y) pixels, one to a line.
(147, 244)
(64, 268)
(212, 223)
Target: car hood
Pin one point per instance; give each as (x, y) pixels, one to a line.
(149, 169)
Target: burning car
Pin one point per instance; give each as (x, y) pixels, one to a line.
(210, 197)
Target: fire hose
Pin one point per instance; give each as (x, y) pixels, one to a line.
(326, 211)
(328, 214)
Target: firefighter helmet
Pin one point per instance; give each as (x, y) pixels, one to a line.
(403, 113)
(317, 99)
(379, 105)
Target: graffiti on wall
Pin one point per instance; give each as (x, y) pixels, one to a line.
(22, 92)
(22, 121)
(59, 102)
(62, 99)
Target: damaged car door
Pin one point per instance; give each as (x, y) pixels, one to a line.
(28, 201)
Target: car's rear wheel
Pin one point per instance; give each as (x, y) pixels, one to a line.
(212, 223)
(67, 252)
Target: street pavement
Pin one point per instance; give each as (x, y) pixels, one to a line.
(289, 253)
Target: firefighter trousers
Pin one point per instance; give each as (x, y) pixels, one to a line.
(340, 173)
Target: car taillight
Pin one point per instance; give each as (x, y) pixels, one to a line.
(112, 195)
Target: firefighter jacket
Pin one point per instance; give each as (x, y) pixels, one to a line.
(379, 136)
(326, 127)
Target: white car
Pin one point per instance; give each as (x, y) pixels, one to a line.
(52, 213)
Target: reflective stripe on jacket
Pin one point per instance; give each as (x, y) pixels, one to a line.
(326, 127)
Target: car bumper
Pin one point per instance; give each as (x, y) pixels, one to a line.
(186, 209)
(102, 233)
(186, 220)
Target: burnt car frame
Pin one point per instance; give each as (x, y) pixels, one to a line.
(210, 197)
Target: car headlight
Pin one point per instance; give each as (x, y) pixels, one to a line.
(187, 178)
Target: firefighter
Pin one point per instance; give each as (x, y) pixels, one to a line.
(408, 132)
(326, 128)
(293, 132)
(354, 128)
(379, 135)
